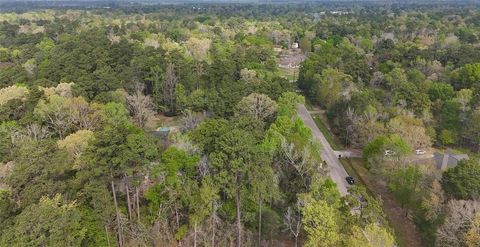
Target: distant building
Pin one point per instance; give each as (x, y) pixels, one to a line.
(447, 160)
(295, 45)
(340, 12)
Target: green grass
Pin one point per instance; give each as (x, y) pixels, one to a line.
(347, 164)
(288, 74)
(308, 104)
(328, 135)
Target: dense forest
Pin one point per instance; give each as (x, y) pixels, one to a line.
(177, 125)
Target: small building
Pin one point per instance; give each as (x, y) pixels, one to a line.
(162, 132)
(447, 160)
(295, 45)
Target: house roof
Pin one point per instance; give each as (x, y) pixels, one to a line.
(448, 159)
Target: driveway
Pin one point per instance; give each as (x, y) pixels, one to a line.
(353, 153)
(335, 168)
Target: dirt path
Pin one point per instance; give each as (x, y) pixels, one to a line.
(404, 228)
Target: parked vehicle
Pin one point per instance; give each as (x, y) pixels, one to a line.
(420, 152)
(350, 180)
(389, 152)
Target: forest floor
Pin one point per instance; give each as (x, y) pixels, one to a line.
(405, 229)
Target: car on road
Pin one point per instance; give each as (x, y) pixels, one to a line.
(420, 152)
(389, 152)
(350, 180)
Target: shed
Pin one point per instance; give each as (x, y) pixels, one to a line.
(161, 132)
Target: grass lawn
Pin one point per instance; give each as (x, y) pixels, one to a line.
(328, 135)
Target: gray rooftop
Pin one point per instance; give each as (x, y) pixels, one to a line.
(447, 160)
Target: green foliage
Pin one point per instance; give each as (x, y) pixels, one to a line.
(51, 222)
(7, 209)
(320, 223)
(206, 135)
(372, 235)
(174, 162)
(467, 76)
(370, 206)
(7, 129)
(404, 184)
(235, 158)
(447, 137)
(396, 78)
(441, 91)
(40, 170)
(327, 191)
(451, 116)
(372, 149)
(415, 99)
(121, 149)
(462, 181)
(221, 54)
(331, 84)
(398, 145)
(46, 45)
(202, 205)
(114, 114)
(374, 153)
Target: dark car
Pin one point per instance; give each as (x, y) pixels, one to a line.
(350, 180)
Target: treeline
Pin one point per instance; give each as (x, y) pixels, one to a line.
(82, 163)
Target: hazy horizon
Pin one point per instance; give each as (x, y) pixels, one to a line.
(250, 1)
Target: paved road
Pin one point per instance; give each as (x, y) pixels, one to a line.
(335, 168)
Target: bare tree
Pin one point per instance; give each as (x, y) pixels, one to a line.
(298, 160)
(203, 168)
(198, 48)
(189, 120)
(411, 129)
(459, 218)
(53, 112)
(293, 222)
(81, 115)
(140, 106)
(352, 118)
(37, 132)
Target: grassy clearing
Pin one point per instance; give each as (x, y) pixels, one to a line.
(328, 135)
(289, 74)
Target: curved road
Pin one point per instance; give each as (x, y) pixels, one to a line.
(335, 168)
